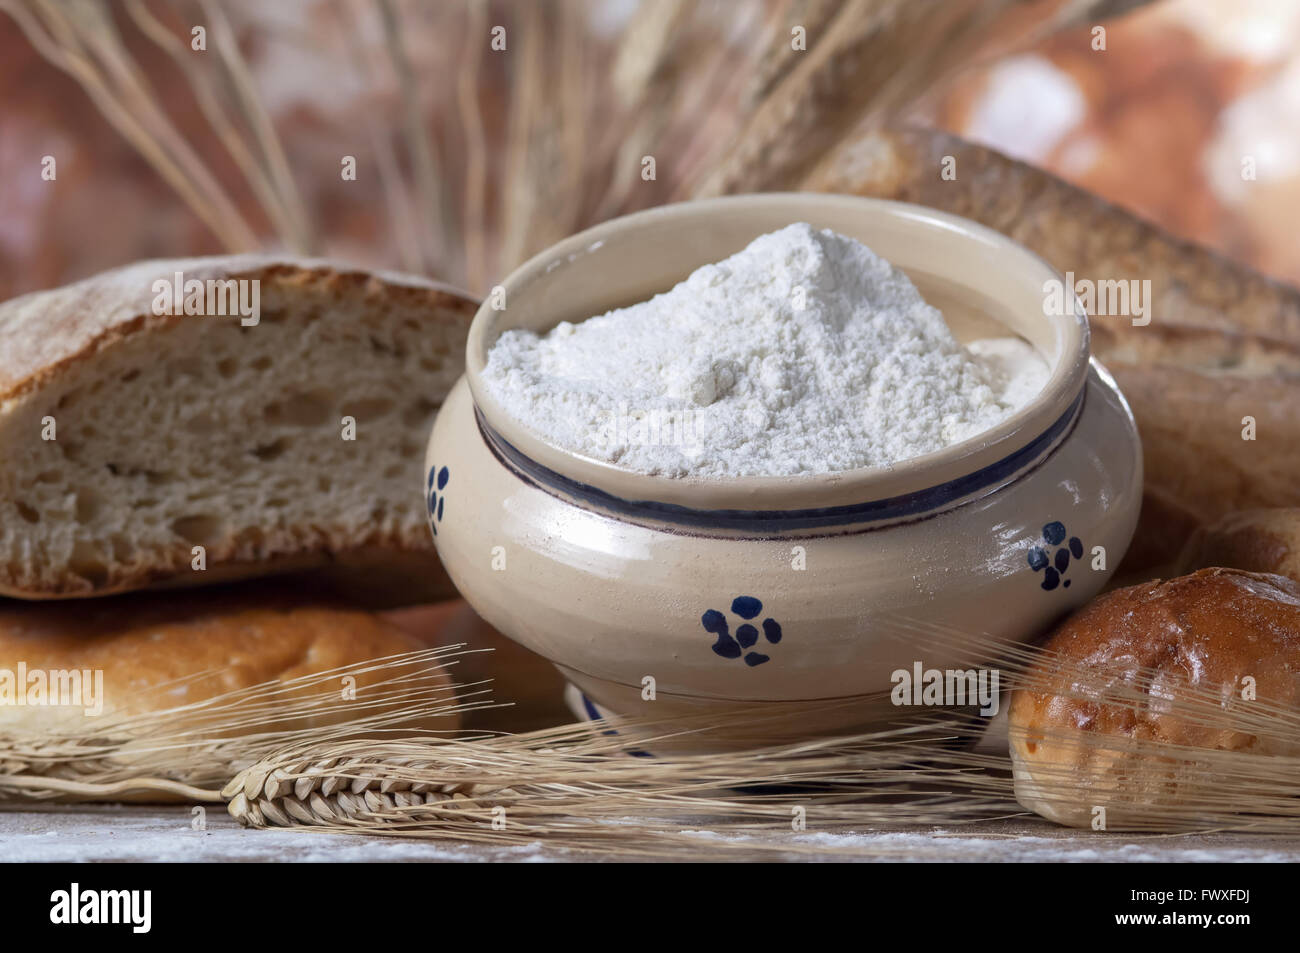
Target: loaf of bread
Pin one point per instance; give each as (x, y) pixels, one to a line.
(1198, 465)
(1222, 341)
(142, 447)
(1079, 741)
(1075, 231)
(1254, 540)
(162, 650)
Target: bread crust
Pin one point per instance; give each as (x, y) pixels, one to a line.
(45, 331)
(1209, 629)
(1072, 229)
(158, 651)
(1192, 432)
(1265, 540)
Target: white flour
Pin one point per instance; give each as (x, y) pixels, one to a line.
(803, 353)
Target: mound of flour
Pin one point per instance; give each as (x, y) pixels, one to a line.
(804, 353)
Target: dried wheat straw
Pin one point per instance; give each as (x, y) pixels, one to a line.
(576, 787)
(397, 191)
(57, 36)
(301, 232)
(205, 93)
(203, 743)
(474, 211)
(429, 181)
(1146, 784)
(873, 60)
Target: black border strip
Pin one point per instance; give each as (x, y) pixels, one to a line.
(772, 521)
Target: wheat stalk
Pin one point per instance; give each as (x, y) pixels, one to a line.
(427, 171)
(263, 184)
(577, 787)
(203, 743)
(397, 192)
(1147, 784)
(1036, 669)
(299, 232)
(779, 56)
(533, 166)
(474, 213)
(57, 36)
(584, 787)
(679, 90)
(867, 61)
(1159, 786)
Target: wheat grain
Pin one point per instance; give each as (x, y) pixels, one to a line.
(577, 787)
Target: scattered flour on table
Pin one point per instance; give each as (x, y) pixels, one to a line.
(804, 353)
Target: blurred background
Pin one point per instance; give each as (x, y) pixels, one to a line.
(470, 157)
(1161, 122)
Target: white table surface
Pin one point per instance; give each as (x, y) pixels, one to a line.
(135, 833)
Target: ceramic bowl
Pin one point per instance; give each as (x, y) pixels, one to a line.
(663, 595)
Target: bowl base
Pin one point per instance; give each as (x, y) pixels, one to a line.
(684, 726)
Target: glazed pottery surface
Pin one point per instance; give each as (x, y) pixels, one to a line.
(784, 591)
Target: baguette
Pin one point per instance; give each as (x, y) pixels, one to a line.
(1192, 427)
(139, 448)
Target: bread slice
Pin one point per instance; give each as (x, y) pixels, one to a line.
(128, 438)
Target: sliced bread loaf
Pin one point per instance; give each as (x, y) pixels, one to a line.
(139, 446)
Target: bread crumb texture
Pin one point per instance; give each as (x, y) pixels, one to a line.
(172, 432)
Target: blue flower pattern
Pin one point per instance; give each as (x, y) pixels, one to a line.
(1054, 565)
(741, 645)
(436, 498)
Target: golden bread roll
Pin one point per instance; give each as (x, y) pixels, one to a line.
(1079, 741)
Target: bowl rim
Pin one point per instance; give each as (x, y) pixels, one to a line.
(804, 491)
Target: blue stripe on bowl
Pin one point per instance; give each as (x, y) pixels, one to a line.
(595, 715)
(767, 522)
